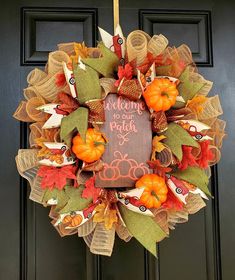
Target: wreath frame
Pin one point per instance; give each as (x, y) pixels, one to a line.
(70, 94)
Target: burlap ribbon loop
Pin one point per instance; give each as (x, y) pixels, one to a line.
(137, 44)
(102, 240)
(130, 89)
(55, 61)
(159, 122)
(96, 111)
(165, 157)
(27, 165)
(157, 44)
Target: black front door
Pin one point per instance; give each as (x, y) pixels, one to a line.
(31, 249)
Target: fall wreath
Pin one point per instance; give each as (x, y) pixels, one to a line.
(66, 104)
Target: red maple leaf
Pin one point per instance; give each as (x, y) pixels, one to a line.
(188, 158)
(56, 177)
(60, 79)
(124, 72)
(206, 154)
(172, 202)
(69, 104)
(158, 168)
(90, 190)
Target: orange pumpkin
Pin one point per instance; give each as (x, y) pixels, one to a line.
(155, 190)
(72, 220)
(93, 149)
(161, 94)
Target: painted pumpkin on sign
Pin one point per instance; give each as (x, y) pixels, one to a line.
(155, 190)
(161, 94)
(73, 220)
(92, 149)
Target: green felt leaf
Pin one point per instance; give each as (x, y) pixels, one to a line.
(76, 120)
(87, 84)
(195, 176)
(58, 195)
(75, 202)
(143, 228)
(106, 64)
(176, 136)
(187, 87)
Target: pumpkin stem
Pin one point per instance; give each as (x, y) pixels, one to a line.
(165, 94)
(97, 143)
(155, 195)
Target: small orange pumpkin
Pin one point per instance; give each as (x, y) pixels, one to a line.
(155, 190)
(72, 220)
(93, 149)
(161, 94)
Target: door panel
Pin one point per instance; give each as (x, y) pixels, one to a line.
(31, 248)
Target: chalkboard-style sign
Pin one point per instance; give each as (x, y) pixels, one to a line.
(128, 129)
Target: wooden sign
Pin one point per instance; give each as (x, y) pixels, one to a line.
(128, 129)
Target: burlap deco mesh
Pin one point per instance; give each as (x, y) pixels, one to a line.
(210, 122)
(31, 109)
(216, 153)
(44, 84)
(178, 58)
(30, 92)
(67, 47)
(36, 131)
(55, 60)
(211, 108)
(195, 77)
(206, 88)
(102, 240)
(167, 219)
(21, 113)
(185, 54)
(47, 88)
(194, 203)
(35, 76)
(217, 132)
(157, 44)
(86, 228)
(137, 44)
(165, 157)
(27, 164)
(161, 218)
(176, 217)
(27, 110)
(123, 232)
